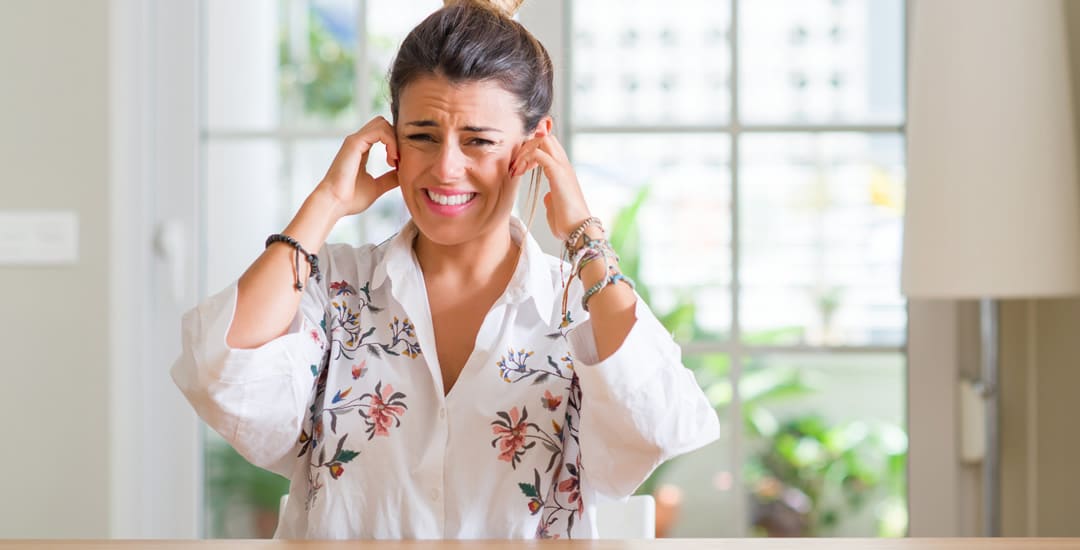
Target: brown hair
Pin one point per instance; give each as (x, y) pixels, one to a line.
(476, 40)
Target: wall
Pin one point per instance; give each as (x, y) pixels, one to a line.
(1040, 351)
(53, 148)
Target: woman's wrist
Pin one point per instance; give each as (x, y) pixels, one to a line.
(316, 217)
(325, 198)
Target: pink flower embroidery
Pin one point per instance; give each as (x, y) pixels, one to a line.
(510, 430)
(384, 410)
(549, 401)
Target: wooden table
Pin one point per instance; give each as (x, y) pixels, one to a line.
(661, 544)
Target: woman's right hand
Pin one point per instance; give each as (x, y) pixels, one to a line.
(348, 181)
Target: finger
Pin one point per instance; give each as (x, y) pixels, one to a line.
(380, 130)
(555, 149)
(362, 169)
(526, 149)
(534, 158)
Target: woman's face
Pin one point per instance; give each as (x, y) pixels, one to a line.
(455, 143)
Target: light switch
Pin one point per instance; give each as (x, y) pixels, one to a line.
(39, 237)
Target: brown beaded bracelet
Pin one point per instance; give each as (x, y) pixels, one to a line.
(312, 259)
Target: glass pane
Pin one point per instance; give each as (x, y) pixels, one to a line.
(695, 493)
(820, 236)
(311, 159)
(826, 445)
(389, 21)
(648, 62)
(815, 61)
(245, 202)
(241, 499)
(677, 246)
(317, 56)
(241, 64)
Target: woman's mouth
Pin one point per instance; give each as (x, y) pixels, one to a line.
(448, 204)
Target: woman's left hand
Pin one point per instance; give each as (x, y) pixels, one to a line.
(565, 203)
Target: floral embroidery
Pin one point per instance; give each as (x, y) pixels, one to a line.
(514, 368)
(550, 402)
(564, 502)
(386, 407)
(560, 502)
(342, 288)
(344, 319)
(359, 370)
(515, 436)
(510, 430)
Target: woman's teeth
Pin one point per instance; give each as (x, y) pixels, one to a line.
(450, 200)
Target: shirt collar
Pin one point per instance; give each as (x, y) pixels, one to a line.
(532, 279)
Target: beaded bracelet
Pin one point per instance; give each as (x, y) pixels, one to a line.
(601, 245)
(575, 235)
(312, 259)
(602, 284)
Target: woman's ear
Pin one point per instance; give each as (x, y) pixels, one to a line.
(543, 128)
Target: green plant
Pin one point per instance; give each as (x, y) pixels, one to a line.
(325, 78)
(806, 472)
(233, 483)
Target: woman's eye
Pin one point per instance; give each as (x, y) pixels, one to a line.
(420, 137)
(481, 142)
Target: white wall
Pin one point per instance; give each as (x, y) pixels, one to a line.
(53, 327)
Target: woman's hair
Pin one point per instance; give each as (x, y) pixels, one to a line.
(477, 40)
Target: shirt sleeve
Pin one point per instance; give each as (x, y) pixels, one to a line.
(255, 398)
(639, 407)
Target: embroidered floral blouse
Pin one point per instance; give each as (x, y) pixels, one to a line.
(349, 404)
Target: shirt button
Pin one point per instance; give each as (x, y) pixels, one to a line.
(434, 495)
(442, 412)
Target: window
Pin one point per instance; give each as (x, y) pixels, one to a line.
(748, 156)
(757, 146)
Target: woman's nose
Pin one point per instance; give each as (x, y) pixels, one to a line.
(450, 166)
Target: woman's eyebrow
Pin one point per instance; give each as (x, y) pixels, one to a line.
(469, 128)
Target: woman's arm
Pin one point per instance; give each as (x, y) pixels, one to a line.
(612, 309)
(266, 300)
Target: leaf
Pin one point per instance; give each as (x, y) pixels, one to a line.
(551, 462)
(529, 490)
(322, 455)
(340, 445)
(368, 333)
(314, 370)
(333, 422)
(541, 379)
(346, 456)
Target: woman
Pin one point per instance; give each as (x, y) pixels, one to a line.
(442, 384)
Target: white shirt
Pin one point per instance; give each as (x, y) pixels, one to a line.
(349, 405)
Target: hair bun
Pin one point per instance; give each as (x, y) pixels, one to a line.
(506, 8)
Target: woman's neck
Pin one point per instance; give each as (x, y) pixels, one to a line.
(487, 259)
